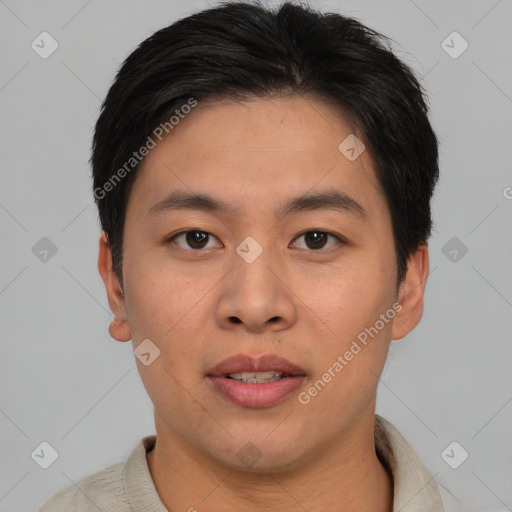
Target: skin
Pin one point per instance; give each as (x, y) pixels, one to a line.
(255, 155)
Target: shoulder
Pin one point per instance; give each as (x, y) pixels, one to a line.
(121, 487)
(102, 490)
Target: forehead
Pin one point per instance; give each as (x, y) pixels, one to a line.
(257, 150)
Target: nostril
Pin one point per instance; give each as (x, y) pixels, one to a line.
(235, 319)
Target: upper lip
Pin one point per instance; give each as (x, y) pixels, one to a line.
(244, 363)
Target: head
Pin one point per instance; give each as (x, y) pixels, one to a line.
(302, 136)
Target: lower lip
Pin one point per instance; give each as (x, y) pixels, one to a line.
(256, 395)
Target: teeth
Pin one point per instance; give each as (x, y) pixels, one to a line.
(257, 377)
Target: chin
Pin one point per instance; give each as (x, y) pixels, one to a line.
(258, 454)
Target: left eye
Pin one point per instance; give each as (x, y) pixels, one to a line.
(316, 239)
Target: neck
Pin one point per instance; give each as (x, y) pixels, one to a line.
(347, 476)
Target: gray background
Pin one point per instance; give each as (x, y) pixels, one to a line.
(65, 381)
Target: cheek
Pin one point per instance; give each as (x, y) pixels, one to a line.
(352, 307)
(161, 304)
(169, 313)
(175, 312)
(356, 297)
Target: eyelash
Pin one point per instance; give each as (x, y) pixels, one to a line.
(338, 238)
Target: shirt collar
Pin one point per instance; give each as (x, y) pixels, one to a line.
(415, 490)
(137, 482)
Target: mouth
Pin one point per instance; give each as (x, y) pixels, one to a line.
(239, 366)
(255, 383)
(258, 377)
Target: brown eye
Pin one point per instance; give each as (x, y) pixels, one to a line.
(195, 239)
(316, 239)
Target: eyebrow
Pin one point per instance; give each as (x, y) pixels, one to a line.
(331, 199)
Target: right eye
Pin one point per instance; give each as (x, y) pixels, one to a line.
(195, 238)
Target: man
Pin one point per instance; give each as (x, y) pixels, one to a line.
(263, 179)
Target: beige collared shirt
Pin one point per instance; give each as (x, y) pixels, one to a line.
(128, 487)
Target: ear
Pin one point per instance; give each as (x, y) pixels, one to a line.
(119, 328)
(410, 294)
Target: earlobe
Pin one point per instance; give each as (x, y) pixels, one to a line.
(411, 292)
(119, 328)
(119, 331)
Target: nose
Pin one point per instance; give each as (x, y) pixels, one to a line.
(255, 296)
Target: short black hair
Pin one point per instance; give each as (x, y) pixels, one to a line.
(244, 50)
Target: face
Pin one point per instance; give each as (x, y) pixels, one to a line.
(257, 272)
